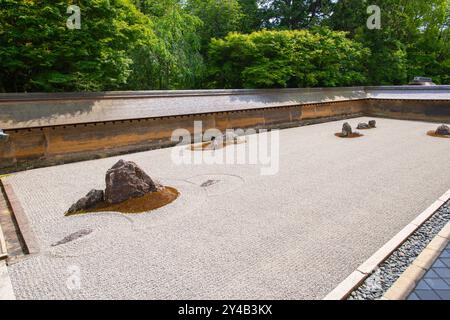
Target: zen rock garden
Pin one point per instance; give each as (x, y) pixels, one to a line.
(134, 235)
(128, 190)
(443, 131)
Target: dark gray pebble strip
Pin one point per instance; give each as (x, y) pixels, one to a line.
(390, 270)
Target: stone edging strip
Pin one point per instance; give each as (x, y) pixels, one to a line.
(404, 285)
(343, 290)
(28, 236)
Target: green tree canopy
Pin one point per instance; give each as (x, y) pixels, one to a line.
(189, 44)
(299, 58)
(39, 53)
(294, 14)
(252, 16)
(219, 17)
(181, 65)
(413, 39)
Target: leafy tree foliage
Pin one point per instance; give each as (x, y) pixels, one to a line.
(294, 14)
(187, 44)
(252, 16)
(39, 53)
(413, 39)
(219, 17)
(300, 58)
(180, 64)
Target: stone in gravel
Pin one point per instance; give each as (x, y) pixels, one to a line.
(372, 123)
(346, 130)
(363, 125)
(443, 130)
(230, 136)
(126, 180)
(209, 183)
(89, 201)
(73, 236)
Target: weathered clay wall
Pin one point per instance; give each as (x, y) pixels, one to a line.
(428, 110)
(37, 110)
(34, 147)
(47, 129)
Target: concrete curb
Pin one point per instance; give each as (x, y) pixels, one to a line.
(6, 289)
(24, 225)
(403, 287)
(346, 287)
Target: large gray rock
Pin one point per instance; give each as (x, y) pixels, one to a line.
(363, 125)
(89, 201)
(443, 130)
(125, 180)
(347, 130)
(372, 123)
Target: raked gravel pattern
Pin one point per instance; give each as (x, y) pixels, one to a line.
(233, 233)
(390, 270)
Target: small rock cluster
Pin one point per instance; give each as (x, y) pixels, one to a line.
(376, 285)
(362, 126)
(231, 136)
(443, 130)
(347, 130)
(227, 137)
(124, 180)
(372, 124)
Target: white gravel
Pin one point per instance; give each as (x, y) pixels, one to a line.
(294, 235)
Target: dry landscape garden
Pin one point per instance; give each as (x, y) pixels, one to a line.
(225, 150)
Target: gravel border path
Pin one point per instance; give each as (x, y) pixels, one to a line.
(389, 271)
